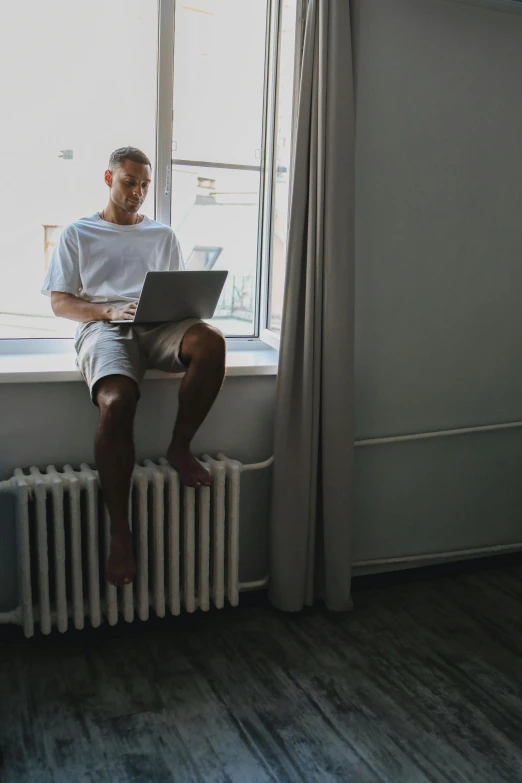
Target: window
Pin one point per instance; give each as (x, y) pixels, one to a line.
(64, 121)
(196, 90)
(283, 141)
(202, 258)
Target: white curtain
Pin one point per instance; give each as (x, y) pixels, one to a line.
(310, 538)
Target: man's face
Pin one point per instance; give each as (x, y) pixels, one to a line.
(129, 184)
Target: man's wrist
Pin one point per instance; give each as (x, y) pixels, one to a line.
(106, 313)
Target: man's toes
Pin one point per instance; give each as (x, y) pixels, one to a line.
(191, 478)
(202, 476)
(120, 574)
(113, 580)
(120, 580)
(191, 472)
(199, 479)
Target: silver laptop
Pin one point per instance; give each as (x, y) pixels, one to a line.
(175, 296)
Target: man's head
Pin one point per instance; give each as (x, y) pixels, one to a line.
(128, 176)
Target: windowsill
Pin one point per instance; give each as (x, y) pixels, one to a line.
(61, 367)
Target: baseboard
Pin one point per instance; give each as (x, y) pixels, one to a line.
(439, 570)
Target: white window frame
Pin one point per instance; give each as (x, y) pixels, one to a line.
(163, 170)
(165, 114)
(267, 335)
(164, 138)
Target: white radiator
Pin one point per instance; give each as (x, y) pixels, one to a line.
(186, 542)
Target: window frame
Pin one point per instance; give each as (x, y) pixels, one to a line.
(164, 139)
(268, 335)
(164, 159)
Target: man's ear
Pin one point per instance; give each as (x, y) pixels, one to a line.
(108, 178)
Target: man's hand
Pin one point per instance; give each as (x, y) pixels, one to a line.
(123, 312)
(69, 306)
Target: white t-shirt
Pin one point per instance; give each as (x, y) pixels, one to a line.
(105, 262)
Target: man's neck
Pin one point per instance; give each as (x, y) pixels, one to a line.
(114, 214)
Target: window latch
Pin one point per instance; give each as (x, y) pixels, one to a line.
(167, 180)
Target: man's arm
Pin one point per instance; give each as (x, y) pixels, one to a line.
(176, 256)
(76, 309)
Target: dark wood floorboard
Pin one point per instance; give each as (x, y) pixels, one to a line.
(421, 683)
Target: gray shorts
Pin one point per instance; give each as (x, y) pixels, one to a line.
(106, 349)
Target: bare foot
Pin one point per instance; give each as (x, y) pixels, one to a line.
(191, 473)
(121, 565)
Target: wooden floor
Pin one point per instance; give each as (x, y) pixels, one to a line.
(421, 682)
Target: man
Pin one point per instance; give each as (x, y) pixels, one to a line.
(95, 277)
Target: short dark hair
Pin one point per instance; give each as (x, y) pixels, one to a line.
(127, 153)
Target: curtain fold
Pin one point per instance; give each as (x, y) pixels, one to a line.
(310, 535)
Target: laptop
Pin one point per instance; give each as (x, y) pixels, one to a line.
(175, 296)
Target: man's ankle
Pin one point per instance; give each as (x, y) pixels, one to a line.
(179, 444)
(120, 532)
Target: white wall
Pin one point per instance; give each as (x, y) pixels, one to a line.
(439, 273)
(46, 423)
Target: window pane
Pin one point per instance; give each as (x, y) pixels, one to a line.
(63, 117)
(215, 215)
(219, 74)
(219, 78)
(282, 177)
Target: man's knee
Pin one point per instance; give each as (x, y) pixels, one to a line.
(116, 397)
(204, 342)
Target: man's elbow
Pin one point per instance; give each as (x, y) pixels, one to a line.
(57, 301)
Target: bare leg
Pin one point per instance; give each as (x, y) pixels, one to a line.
(117, 396)
(203, 350)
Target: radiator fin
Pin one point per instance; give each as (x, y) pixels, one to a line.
(186, 543)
